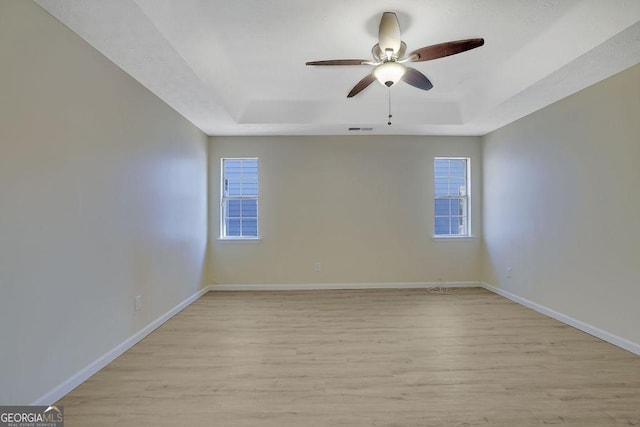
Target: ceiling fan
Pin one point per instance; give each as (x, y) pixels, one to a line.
(389, 57)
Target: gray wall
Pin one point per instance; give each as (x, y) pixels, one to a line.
(561, 206)
(361, 206)
(103, 197)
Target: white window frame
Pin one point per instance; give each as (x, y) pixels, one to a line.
(467, 198)
(223, 199)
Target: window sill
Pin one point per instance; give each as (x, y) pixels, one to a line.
(454, 238)
(239, 239)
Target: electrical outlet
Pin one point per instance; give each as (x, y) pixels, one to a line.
(507, 272)
(138, 302)
(317, 266)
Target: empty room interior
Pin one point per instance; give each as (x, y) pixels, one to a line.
(270, 212)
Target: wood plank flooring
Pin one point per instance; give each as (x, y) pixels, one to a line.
(362, 358)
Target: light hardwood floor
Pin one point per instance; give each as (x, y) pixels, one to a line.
(362, 358)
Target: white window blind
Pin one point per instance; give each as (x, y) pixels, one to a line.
(239, 199)
(451, 190)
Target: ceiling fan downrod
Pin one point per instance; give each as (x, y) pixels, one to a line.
(389, 122)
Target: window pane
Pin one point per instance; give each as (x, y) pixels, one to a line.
(233, 227)
(456, 186)
(233, 208)
(455, 225)
(250, 227)
(250, 171)
(455, 207)
(250, 165)
(234, 187)
(442, 207)
(240, 177)
(232, 172)
(249, 208)
(458, 167)
(232, 164)
(442, 225)
(441, 167)
(442, 187)
(250, 187)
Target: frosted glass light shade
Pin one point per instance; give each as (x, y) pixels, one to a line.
(389, 73)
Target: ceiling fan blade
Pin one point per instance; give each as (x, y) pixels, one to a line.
(441, 50)
(389, 32)
(362, 84)
(417, 79)
(339, 62)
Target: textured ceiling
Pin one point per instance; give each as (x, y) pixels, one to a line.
(237, 67)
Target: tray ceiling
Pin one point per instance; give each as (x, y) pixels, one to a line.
(238, 68)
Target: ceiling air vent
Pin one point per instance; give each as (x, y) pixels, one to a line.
(362, 129)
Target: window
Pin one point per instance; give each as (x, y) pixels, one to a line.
(451, 200)
(239, 199)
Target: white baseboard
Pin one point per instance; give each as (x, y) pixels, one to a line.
(585, 327)
(65, 387)
(345, 286)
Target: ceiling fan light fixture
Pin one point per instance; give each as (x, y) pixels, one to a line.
(389, 73)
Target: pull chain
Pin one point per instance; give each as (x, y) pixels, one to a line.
(389, 122)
